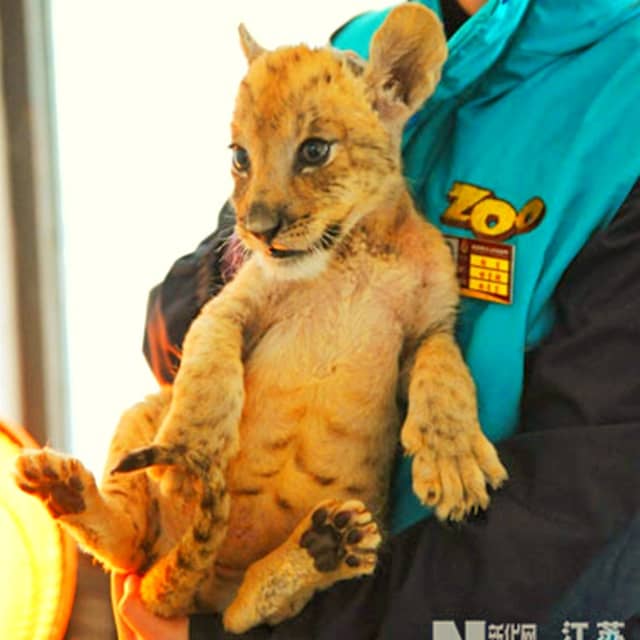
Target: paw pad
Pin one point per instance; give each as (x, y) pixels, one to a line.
(56, 480)
(342, 535)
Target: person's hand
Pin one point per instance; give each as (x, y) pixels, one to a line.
(135, 621)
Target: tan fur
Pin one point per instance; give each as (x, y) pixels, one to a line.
(281, 427)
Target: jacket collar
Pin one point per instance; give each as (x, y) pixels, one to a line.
(479, 43)
(513, 39)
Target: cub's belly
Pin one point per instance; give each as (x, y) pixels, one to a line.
(271, 493)
(298, 451)
(320, 421)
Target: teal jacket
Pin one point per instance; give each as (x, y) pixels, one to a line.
(521, 146)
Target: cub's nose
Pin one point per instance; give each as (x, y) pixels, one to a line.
(267, 235)
(264, 222)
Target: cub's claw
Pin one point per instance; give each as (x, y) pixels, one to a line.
(451, 474)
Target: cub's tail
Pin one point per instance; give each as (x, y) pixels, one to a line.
(151, 456)
(170, 585)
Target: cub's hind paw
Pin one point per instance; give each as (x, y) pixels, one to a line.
(342, 536)
(59, 481)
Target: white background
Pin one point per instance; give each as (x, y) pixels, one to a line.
(144, 92)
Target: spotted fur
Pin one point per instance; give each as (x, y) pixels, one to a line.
(262, 475)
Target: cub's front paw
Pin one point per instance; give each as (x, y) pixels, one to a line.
(59, 481)
(343, 537)
(452, 466)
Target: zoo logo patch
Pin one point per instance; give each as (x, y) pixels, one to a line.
(489, 217)
(485, 266)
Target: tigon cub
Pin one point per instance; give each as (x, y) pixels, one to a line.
(268, 462)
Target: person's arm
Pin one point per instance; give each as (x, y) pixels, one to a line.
(191, 281)
(574, 479)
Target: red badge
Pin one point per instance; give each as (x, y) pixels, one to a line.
(485, 269)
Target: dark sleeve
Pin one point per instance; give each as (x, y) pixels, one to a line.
(175, 302)
(574, 482)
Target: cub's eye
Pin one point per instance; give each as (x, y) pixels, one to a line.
(313, 152)
(240, 159)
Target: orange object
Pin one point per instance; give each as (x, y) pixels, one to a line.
(38, 561)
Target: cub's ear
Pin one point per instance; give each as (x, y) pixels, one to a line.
(405, 60)
(250, 47)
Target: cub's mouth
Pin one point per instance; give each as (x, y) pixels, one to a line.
(325, 242)
(286, 253)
